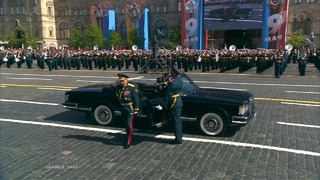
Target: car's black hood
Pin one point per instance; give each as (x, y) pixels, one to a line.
(224, 94)
(96, 86)
(92, 88)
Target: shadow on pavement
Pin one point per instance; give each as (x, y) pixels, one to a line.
(116, 139)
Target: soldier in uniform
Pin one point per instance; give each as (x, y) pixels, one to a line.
(127, 59)
(29, 59)
(317, 60)
(302, 63)
(128, 95)
(1, 57)
(19, 58)
(174, 103)
(135, 60)
(277, 64)
(10, 58)
(49, 61)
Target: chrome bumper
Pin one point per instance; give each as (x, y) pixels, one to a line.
(246, 118)
(242, 119)
(75, 106)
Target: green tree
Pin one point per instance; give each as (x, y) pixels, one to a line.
(91, 37)
(114, 39)
(16, 38)
(11, 38)
(21, 36)
(296, 39)
(174, 37)
(94, 36)
(134, 38)
(76, 38)
(30, 38)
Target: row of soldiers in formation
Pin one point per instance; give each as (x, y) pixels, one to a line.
(188, 60)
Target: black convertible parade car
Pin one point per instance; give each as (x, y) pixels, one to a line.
(213, 110)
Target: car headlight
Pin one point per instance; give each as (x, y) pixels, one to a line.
(66, 97)
(243, 109)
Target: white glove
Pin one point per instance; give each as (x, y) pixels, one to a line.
(158, 107)
(134, 113)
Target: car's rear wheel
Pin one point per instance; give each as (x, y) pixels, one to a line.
(213, 124)
(242, 16)
(103, 115)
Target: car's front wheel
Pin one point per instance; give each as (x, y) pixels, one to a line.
(213, 124)
(103, 115)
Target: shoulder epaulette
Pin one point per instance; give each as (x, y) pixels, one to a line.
(129, 84)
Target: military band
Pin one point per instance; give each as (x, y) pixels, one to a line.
(188, 60)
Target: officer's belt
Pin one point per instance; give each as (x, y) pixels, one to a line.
(174, 99)
(126, 104)
(175, 95)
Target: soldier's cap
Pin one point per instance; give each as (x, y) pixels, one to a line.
(174, 68)
(122, 76)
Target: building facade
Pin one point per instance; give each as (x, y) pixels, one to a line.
(52, 20)
(305, 15)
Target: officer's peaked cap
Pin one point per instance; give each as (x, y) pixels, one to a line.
(122, 76)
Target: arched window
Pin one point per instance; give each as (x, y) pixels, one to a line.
(49, 9)
(307, 27)
(123, 29)
(164, 7)
(161, 29)
(304, 24)
(295, 25)
(179, 6)
(157, 7)
(50, 31)
(64, 31)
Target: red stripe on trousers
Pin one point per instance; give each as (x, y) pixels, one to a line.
(130, 129)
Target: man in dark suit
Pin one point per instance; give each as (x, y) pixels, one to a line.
(174, 103)
(128, 95)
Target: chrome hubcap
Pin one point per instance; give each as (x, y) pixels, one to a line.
(104, 115)
(212, 124)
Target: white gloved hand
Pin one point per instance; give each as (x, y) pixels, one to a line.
(158, 107)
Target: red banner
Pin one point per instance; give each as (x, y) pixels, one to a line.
(277, 24)
(206, 40)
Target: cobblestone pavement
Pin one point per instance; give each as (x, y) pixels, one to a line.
(42, 140)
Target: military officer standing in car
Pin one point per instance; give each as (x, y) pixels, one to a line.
(174, 103)
(128, 95)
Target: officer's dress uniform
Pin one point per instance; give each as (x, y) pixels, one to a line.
(317, 60)
(277, 66)
(173, 101)
(302, 64)
(129, 99)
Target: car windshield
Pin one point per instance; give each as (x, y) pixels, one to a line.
(188, 85)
